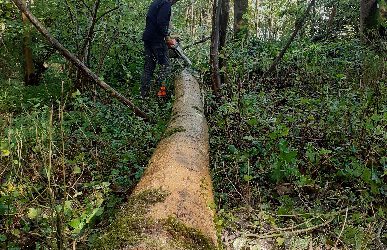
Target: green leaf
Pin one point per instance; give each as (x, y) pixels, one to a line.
(76, 93)
(249, 138)
(95, 213)
(232, 149)
(15, 232)
(248, 178)
(3, 238)
(5, 152)
(32, 213)
(280, 241)
(77, 170)
(253, 121)
(75, 223)
(324, 151)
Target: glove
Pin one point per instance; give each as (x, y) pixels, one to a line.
(171, 42)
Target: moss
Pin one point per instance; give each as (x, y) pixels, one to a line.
(131, 224)
(187, 237)
(132, 227)
(171, 131)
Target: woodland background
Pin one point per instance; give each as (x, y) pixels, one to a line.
(295, 96)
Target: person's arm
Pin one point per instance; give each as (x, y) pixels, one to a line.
(163, 18)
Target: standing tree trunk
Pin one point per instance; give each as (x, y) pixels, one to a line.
(223, 24)
(240, 23)
(27, 51)
(256, 17)
(214, 54)
(332, 16)
(371, 19)
(85, 48)
(299, 24)
(365, 9)
(192, 28)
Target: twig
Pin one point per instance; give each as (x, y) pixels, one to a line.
(205, 39)
(378, 240)
(299, 24)
(90, 33)
(290, 228)
(287, 233)
(342, 228)
(107, 12)
(86, 6)
(74, 20)
(236, 190)
(300, 231)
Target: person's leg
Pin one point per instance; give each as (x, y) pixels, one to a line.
(161, 53)
(149, 67)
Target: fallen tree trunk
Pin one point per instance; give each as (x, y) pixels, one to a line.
(172, 207)
(80, 65)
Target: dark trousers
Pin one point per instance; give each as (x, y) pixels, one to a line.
(155, 53)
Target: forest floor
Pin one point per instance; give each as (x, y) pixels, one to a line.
(298, 161)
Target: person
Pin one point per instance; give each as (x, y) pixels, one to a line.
(156, 41)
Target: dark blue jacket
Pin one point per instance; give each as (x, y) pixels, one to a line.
(157, 21)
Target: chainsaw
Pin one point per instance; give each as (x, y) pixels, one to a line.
(175, 51)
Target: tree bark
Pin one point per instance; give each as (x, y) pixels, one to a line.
(256, 17)
(223, 24)
(214, 53)
(331, 19)
(84, 53)
(179, 168)
(90, 32)
(299, 24)
(240, 23)
(76, 61)
(370, 20)
(29, 78)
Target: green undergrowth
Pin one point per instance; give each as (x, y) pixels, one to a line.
(309, 140)
(15, 97)
(68, 161)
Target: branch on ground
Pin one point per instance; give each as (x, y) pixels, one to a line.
(70, 57)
